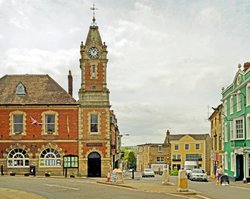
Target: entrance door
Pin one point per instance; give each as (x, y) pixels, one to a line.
(239, 167)
(94, 165)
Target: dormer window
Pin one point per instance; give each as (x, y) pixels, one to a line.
(20, 89)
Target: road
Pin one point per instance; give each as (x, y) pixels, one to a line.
(53, 188)
(210, 190)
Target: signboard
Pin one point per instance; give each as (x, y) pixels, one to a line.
(94, 144)
(70, 161)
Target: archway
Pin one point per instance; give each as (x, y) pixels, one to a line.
(94, 165)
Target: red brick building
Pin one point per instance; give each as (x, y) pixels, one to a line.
(40, 123)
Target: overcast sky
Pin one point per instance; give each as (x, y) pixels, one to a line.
(168, 59)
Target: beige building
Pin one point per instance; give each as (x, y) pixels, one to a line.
(190, 147)
(153, 155)
(216, 139)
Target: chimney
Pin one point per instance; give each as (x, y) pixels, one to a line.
(246, 66)
(70, 83)
(168, 136)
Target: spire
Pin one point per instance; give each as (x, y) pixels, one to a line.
(93, 19)
(93, 34)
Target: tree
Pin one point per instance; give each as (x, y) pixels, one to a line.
(131, 160)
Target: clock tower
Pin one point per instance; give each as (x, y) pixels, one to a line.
(94, 111)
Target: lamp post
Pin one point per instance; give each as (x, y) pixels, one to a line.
(244, 142)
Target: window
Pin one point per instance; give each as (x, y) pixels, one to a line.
(248, 94)
(49, 123)
(193, 157)
(225, 132)
(239, 128)
(18, 158)
(197, 146)
(93, 72)
(186, 146)
(231, 130)
(20, 89)
(225, 108)
(248, 127)
(176, 147)
(50, 158)
(17, 123)
(176, 157)
(238, 101)
(159, 148)
(160, 159)
(231, 104)
(93, 123)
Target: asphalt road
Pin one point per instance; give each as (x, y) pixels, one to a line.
(53, 188)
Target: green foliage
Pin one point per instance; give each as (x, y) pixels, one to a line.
(129, 156)
(174, 172)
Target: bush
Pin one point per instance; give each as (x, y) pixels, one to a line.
(174, 172)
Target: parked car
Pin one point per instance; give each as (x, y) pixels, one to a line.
(148, 173)
(198, 174)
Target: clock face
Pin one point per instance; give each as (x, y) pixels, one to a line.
(93, 52)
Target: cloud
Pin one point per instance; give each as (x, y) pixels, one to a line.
(168, 60)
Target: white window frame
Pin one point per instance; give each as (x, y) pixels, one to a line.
(225, 108)
(176, 156)
(51, 158)
(232, 130)
(160, 159)
(188, 147)
(18, 158)
(231, 104)
(176, 146)
(225, 133)
(248, 126)
(239, 101)
(199, 146)
(248, 94)
(235, 130)
(97, 123)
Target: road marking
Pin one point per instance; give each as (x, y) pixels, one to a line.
(63, 187)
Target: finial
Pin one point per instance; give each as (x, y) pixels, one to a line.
(93, 9)
(239, 66)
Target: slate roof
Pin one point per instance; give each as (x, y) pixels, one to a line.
(40, 90)
(195, 136)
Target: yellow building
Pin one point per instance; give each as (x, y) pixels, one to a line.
(190, 147)
(216, 139)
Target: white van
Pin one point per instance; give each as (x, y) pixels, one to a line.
(189, 166)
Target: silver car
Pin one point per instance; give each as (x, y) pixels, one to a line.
(198, 174)
(148, 173)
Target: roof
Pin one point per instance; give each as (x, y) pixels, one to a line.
(39, 90)
(194, 136)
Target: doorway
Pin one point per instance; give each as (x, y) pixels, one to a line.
(94, 165)
(239, 167)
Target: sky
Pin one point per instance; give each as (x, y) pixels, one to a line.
(168, 59)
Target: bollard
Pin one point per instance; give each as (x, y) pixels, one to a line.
(182, 181)
(108, 176)
(165, 176)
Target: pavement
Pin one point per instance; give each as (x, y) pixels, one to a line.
(135, 184)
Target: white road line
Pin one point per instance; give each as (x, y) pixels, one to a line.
(63, 187)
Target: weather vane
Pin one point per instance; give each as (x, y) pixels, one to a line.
(93, 9)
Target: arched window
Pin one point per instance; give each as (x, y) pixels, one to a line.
(50, 158)
(18, 158)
